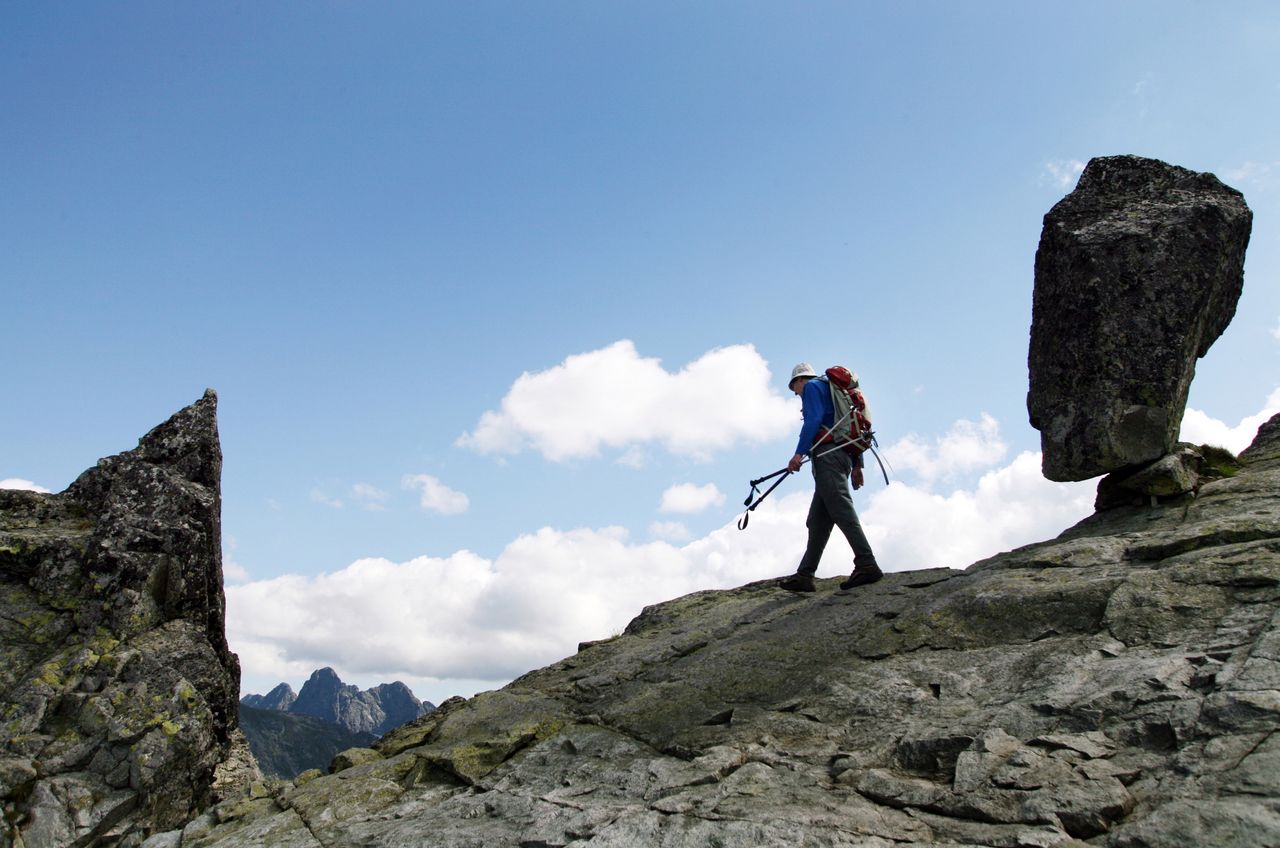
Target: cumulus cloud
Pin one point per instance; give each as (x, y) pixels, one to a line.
(436, 496)
(912, 527)
(1063, 173)
(614, 398)
(688, 498)
(1200, 428)
(465, 616)
(967, 446)
(18, 483)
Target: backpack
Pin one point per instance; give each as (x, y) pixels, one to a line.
(852, 427)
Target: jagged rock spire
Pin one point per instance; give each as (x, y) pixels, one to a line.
(118, 687)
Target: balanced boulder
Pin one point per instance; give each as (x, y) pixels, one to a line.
(1138, 272)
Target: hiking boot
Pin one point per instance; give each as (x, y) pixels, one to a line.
(862, 576)
(797, 583)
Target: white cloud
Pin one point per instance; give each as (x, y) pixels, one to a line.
(911, 527)
(670, 531)
(1063, 172)
(436, 496)
(320, 497)
(25, 485)
(967, 446)
(688, 498)
(370, 497)
(1200, 428)
(614, 398)
(1276, 330)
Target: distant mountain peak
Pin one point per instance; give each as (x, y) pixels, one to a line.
(279, 698)
(325, 696)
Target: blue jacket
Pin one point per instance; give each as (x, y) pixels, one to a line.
(818, 411)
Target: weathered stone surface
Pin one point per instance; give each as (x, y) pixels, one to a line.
(238, 770)
(1265, 449)
(353, 757)
(1138, 272)
(1175, 474)
(1120, 684)
(117, 689)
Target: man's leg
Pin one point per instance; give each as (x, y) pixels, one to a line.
(819, 523)
(832, 481)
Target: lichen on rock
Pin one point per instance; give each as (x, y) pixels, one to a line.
(118, 692)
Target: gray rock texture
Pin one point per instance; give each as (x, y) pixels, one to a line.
(1173, 475)
(117, 689)
(1118, 686)
(1138, 272)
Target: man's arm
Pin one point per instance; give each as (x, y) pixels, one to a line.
(811, 399)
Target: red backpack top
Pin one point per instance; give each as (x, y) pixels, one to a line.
(852, 429)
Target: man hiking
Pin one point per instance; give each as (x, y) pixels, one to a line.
(832, 504)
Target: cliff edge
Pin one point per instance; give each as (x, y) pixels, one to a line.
(118, 693)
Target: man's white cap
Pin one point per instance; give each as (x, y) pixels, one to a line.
(804, 369)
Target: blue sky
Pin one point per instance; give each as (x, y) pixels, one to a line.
(363, 223)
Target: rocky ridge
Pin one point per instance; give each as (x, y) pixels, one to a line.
(117, 689)
(1117, 686)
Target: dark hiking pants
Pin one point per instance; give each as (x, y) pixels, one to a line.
(832, 506)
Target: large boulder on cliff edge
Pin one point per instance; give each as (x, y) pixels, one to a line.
(117, 688)
(1138, 272)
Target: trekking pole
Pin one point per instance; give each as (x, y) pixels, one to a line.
(746, 516)
(781, 474)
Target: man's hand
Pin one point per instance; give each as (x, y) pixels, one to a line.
(857, 478)
(796, 461)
